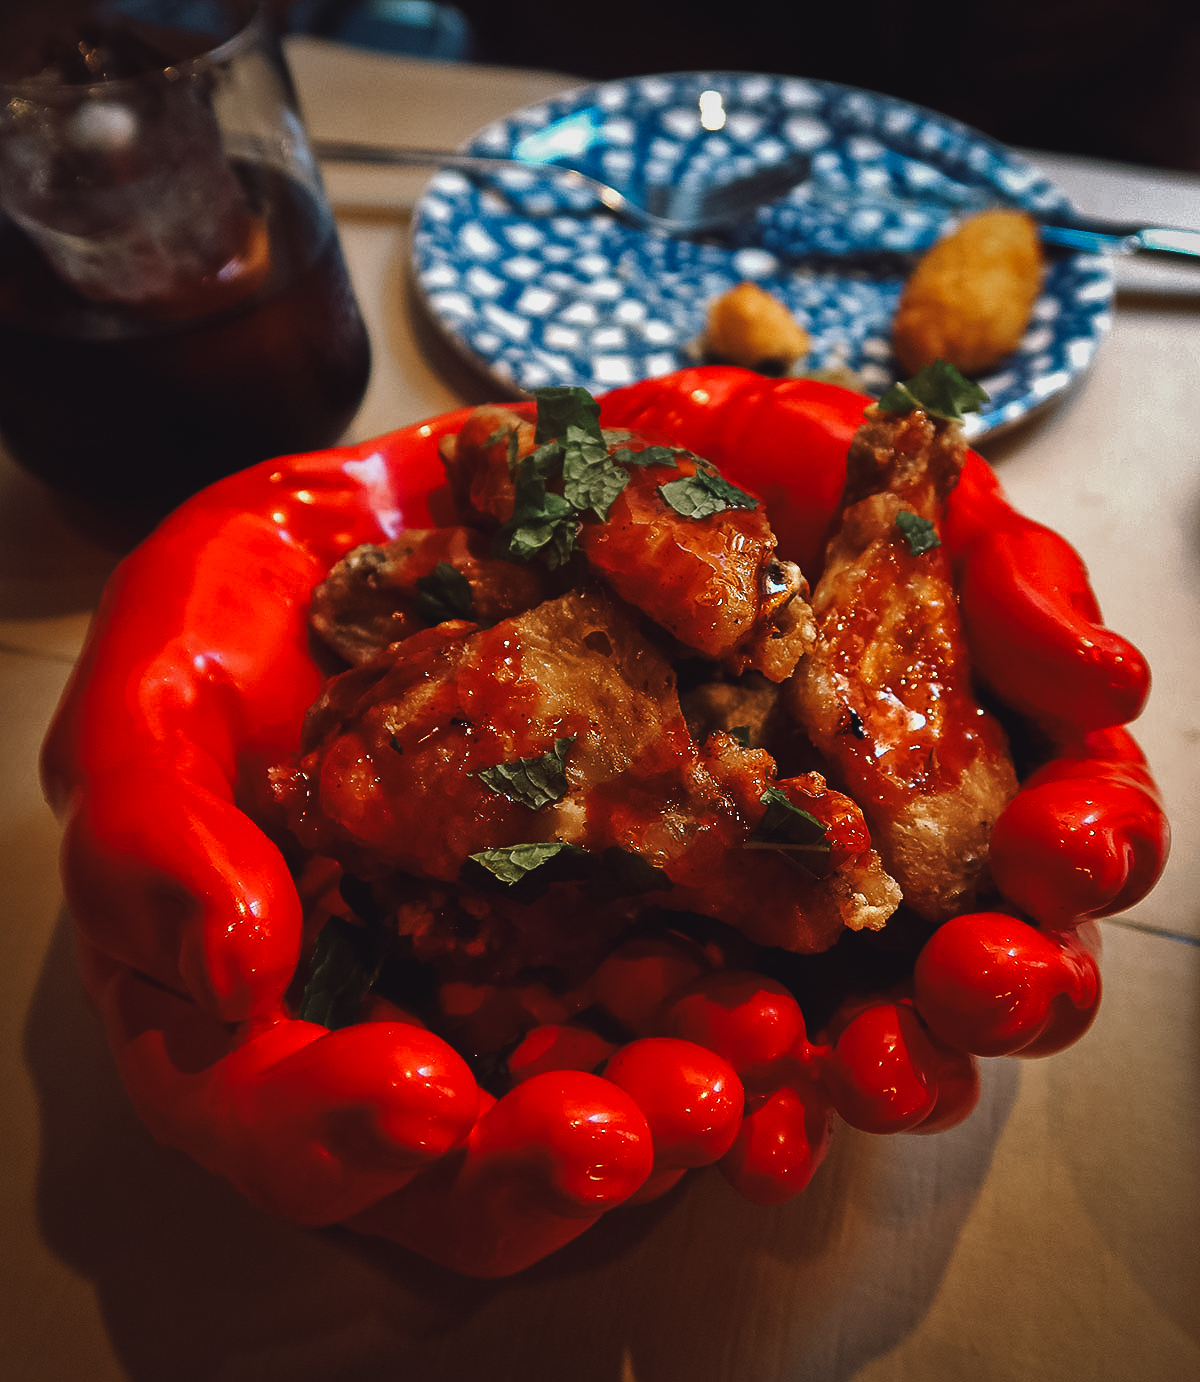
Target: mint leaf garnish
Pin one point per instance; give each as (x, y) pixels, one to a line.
(938, 389)
(445, 593)
(920, 534)
(345, 964)
(525, 871)
(562, 406)
(590, 478)
(572, 447)
(650, 455)
(546, 461)
(795, 832)
(705, 493)
(534, 782)
(543, 523)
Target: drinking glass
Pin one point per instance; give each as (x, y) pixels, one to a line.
(174, 304)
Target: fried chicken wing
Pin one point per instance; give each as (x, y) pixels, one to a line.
(709, 579)
(573, 697)
(742, 706)
(377, 595)
(886, 694)
(477, 462)
(714, 583)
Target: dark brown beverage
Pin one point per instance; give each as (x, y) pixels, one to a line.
(141, 408)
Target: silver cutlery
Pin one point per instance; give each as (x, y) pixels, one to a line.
(689, 207)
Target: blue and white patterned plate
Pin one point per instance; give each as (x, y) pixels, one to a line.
(535, 282)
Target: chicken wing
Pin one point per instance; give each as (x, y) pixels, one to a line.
(713, 583)
(377, 595)
(557, 735)
(695, 555)
(886, 693)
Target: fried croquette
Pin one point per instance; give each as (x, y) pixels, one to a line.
(747, 326)
(970, 298)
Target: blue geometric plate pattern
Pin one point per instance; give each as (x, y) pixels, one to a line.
(537, 283)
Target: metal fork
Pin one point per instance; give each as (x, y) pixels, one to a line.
(691, 208)
(681, 209)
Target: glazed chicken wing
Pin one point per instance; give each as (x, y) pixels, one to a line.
(714, 583)
(478, 460)
(378, 594)
(886, 694)
(697, 558)
(562, 727)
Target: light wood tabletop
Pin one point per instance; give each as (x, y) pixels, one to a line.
(1053, 1236)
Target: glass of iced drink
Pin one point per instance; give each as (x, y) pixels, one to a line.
(174, 304)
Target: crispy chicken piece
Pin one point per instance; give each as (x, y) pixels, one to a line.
(476, 461)
(713, 583)
(724, 871)
(377, 595)
(742, 707)
(886, 695)
(431, 718)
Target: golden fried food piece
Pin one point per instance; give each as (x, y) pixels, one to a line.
(886, 695)
(970, 298)
(573, 696)
(748, 326)
(377, 595)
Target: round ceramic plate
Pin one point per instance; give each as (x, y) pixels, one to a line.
(537, 283)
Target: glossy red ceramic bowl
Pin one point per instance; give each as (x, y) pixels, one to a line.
(196, 676)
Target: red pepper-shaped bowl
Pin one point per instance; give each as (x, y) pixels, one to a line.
(196, 676)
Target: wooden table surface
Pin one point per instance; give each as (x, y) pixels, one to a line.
(1055, 1236)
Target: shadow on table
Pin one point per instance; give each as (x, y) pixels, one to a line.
(197, 1286)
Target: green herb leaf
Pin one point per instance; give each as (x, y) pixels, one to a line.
(546, 461)
(534, 782)
(795, 832)
(938, 389)
(445, 593)
(543, 523)
(563, 406)
(346, 962)
(590, 478)
(649, 455)
(742, 734)
(920, 534)
(705, 493)
(526, 871)
(582, 448)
